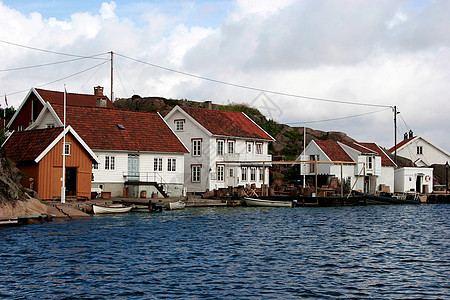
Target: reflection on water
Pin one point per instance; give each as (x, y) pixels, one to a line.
(355, 252)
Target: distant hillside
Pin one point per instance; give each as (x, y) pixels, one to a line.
(289, 140)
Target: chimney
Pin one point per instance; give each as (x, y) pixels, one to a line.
(405, 136)
(208, 104)
(411, 135)
(98, 91)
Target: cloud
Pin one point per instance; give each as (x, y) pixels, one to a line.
(381, 52)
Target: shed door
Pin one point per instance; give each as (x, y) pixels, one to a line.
(133, 167)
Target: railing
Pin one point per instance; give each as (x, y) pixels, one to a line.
(144, 177)
(243, 157)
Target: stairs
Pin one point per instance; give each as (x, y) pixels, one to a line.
(160, 188)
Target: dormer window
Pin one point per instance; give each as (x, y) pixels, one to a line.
(179, 125)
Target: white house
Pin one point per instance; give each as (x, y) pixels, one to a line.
(347, 161)
(226, 148)
(137, 151)
(414, 179)
(420, 151)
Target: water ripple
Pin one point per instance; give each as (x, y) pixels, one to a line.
(233, 253)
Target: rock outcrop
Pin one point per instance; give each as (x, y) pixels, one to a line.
(13, 200)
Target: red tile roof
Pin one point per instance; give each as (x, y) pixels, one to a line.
(55, 97)
(98, 127)
(333, 150)
(28, 145)
(227, 123)
(359, 147)
(401, 144)
(385, 160)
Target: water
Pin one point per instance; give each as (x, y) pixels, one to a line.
(373, 252)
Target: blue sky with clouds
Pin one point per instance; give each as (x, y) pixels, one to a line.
(380, 52)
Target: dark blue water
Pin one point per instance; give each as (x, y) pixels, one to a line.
(374, 252)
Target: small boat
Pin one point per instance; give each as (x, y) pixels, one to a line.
(267, 202)
(111, 209)
(374, 199)
(176, 205)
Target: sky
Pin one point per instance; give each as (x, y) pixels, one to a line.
(334, 65)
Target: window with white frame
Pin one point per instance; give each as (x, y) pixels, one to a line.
(230, 147)
(179, 125)
(67, 149)
(195, 173)
(220, 172)
(157, 164)
(196, 147)
(419, 150)
(259, 148)
(253, 174)
(261, 174)
(110, 162)
(244, 174)
(50, 125)
(94, 165)
(220, 145)
(20, 128)
(171, 164)
(249, 147)
(369, 163)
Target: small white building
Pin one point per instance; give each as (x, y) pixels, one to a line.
(379, 168)
(225, 148)
(420, 151)
(415, 179)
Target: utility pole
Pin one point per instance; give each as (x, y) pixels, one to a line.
(112, 78)
(395, 133)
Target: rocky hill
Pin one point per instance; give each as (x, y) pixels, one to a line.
(289, 140)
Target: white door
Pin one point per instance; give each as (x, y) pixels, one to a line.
(231, 175)
(133, 167)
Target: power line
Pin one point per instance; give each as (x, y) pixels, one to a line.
(253, 88)
(53, 52)
(335, 119)
(57, 80)
(48, 64)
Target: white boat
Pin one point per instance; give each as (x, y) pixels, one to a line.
(176, 205)
(112, 209)
(267, 202)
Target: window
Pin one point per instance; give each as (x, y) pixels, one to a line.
(261, 174)
(220, 172)
(253, 174)
(369, 163)
(231, 172)
(231, 147)
(67, 149)
(197, 147)
(312, 167)
(249, 147)
(195, 170)
(244, 174)
(95, 165)
(20, 128)
(157, 164)
(171, 164)
(220, 147)
(51, 125)
(179, 125)
(419, 150)
(110, 162)
(259, 148)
